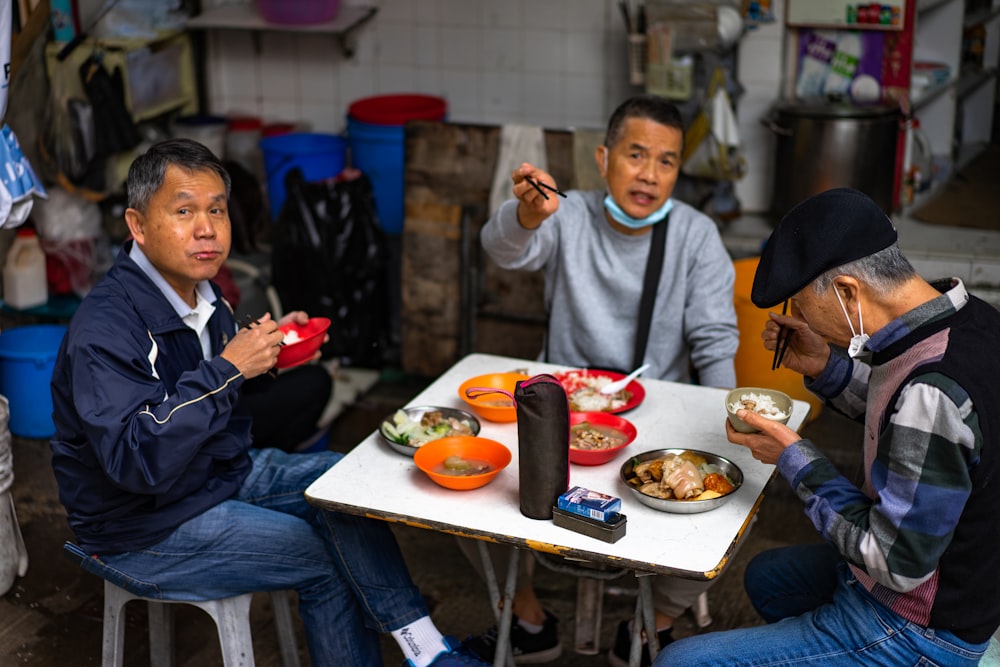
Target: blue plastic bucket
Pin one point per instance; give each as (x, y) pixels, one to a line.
(377, 138)
(27, 357)
(377, 150)
(319, 156)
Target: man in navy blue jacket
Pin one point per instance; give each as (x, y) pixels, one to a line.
(152, 451)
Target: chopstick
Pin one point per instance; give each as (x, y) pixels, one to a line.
(781, 344)
(538, 185)
(247, 320)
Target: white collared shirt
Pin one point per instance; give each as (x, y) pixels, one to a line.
(197, 318)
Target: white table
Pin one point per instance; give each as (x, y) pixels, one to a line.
(695, 546)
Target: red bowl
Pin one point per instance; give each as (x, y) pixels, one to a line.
(595, 457)
(310, 339)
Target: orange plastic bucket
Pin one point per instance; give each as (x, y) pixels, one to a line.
(753, 361)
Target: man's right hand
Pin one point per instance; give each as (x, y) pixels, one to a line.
(533, 207)
(254, 349)
(807, 352)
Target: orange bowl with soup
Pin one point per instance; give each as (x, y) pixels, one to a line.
(462, 462)
(495, 406)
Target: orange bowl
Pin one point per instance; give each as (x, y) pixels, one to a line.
(430, 458)
(603, 421)
(495, 407)
(310, 338)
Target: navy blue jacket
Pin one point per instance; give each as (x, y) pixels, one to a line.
(148, 432)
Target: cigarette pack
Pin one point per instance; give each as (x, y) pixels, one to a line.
(591, 504)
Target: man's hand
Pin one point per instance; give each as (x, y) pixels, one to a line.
(807, 352)
(767, 445)
(254, 349)
(533, 207)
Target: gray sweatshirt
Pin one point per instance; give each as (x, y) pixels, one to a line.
(593, 285)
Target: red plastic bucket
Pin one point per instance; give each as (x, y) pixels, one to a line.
(397, 109)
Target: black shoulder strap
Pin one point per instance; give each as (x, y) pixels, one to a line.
(654, 269)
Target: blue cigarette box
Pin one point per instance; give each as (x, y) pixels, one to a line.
(591, 504)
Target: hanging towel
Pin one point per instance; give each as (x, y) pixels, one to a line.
(518, 143)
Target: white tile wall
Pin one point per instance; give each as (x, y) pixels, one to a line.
(556, 63)
(549, 62)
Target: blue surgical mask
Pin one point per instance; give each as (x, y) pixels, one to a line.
(636, 223)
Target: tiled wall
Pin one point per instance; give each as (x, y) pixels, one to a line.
(555, 63)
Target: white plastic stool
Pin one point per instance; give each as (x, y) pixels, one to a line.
(231, 616)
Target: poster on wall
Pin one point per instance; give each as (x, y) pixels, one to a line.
(840, 63)
(886, 15)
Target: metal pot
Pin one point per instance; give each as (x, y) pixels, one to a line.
(823, 144)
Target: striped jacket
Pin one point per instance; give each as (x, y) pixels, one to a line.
(148, 432)
(920, 533)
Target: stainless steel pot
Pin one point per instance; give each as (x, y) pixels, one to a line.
(823, 144)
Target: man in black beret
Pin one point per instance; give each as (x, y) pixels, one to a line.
(907, 568)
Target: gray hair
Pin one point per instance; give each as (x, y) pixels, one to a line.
(882, 271)
(149, 170)
(655, 108)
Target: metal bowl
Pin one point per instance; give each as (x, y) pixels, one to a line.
(416, 413)
(724, 465)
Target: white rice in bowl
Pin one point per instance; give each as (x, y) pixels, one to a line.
(763, 405)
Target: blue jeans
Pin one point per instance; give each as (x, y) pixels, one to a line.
(348, 571)
(820, 615)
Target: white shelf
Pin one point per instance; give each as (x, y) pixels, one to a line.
(246, 17)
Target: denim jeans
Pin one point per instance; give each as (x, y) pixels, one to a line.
(348, 571)
(826, 618)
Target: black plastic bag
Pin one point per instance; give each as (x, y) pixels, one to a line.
(330, 258)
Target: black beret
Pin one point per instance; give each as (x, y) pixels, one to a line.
(823, 232)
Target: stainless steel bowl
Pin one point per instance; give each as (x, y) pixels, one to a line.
(416, 413)
(724, 465)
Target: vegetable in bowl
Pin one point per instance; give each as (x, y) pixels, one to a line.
(409, 428)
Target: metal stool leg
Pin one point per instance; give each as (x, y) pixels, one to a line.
(589, 606)
(700, 610)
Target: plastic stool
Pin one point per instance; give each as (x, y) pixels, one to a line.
(231, 616)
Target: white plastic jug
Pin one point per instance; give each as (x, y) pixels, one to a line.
(24, 280)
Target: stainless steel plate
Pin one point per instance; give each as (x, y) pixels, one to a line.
(415, 414)
(724, 466)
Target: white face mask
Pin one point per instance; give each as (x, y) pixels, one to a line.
(857, 347)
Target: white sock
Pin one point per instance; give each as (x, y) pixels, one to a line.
(532, 628)
(420, 641)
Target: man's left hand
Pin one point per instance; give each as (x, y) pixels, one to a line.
(767, 445)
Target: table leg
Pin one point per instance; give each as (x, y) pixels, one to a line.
(503, 609)
(645, 617)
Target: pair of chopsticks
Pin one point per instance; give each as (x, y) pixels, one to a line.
(782, 343)
(247, 320)
(538, 185)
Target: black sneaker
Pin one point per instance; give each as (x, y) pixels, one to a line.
(528, 648)
(618, 656)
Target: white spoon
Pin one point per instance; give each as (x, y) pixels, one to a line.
(618, 385)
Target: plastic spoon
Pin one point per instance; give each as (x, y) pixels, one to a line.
(618, 385)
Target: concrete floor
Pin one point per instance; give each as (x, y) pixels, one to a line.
(54, 612)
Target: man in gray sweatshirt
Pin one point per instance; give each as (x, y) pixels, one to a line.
(593, 248)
